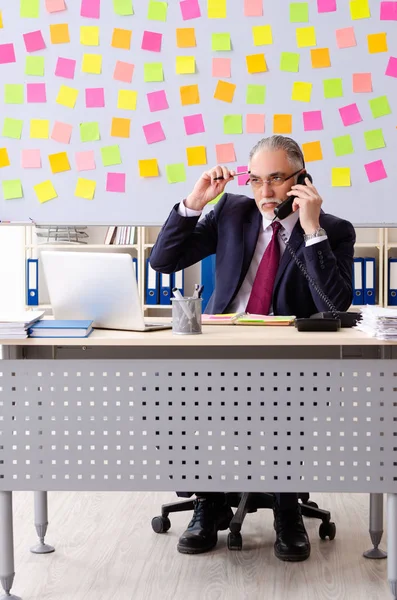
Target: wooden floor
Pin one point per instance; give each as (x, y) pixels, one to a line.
(106, 550)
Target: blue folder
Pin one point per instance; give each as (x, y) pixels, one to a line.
(392, 286)
(165, 288)
(358, 290)
(32, 282)
(369, 281)
(152, 285)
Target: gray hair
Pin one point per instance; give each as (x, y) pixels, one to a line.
(280, 142)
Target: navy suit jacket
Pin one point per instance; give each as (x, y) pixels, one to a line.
(231, 230)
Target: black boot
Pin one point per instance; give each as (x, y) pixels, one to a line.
(292, 542)
(201, 534)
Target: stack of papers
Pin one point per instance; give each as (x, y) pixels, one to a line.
(378, 322)
(246, 319)
(15, 326)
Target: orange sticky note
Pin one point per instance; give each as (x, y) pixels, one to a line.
(312, 151)
(377, 42)
(4, 159)
(282, 124)
(120, 127)
(59, 33)
(59, 162)
(121, 38)
(225, 91)
(305, 36)
(256, 63)
(196, 155)
(320, 58)
(189, 94)
(148, 167)
(185, 37)
(362, 82)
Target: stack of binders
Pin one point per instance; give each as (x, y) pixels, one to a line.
(158, 286)
(392, 282)
(364, 281)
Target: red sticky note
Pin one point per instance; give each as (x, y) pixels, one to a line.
(225, 153)
(65, 68)
(324, 6)
(91, 9)
(345, 38)
(31, 159)
(375, 171)
(94, 97)
(153, 132)
(115, 182)
(253, 8)
(61, 132)
(85, 161)
(33, 41)
(388, 11)
(312, 120)
(391, 69)
(36, 92)
(221, 67)
(151, 41)
(157, 100)
(362, 82)
(350, 114)
(190, 9)
(194, 124)
(242, 179)
(7, 54)
(123, 71)
(255, 123)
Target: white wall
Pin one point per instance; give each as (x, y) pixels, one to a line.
(12, 267)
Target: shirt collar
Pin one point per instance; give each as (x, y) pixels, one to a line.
(288, 223)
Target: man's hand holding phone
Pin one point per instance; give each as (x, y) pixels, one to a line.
(209, 186)
(309, 202)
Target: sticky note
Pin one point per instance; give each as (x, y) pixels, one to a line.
(377, 42)
(320, 58)
(65, 68)
(55, 5)
(176, 173)
(85, 188)
(343, 145)
(299, 12)
(61, 132)
(221, 67)
(341, 177)
(333, 88)
(89, 132)
(123, 7)
(34, 65)
(85, 161)
(4, 158)
(194, 124)
(13, 93)
(374, 139)
(31, 159)
(189, 94)
(253, 8)
(359, 9)
(302, 91)
(391, 69)
(312, 151)
(375, 171)
(289, 61)
(324, 6)
(362, 82)
(216, 9)
(379, 107)
(92, 63)
(89, 35)
(157, 100)
(185, 37)
(36, 92)
(305, 36)
(7, 54)
(1, 20)
(120, 127)
(232, 124)
(151, 41)
(262, 35)
(345, 38)
(388, 11)
(224, 91)
(282, 123)
(350, 114)
(123, 71)
(148, 167)
(190, 9)
(94, 97)
(45, 191)
(67, 96)
(90, 9)
(153, 72)
(157, 11)
(115, 182)
(29, 9)
(33, 41)
(12, 128)
(312, 120)
(121, 38)
(255, 123)
(153, 132)
(126, 99)
(256, 63)
(225, 153)
(59, 33)
(185, 65)
(256, 94)
(59, 162)
(196, 155)
(12, 188)
(39, 129)
(221, 42)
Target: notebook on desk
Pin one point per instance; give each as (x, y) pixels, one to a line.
(246, 319)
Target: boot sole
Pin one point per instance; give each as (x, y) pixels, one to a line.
(292, 557)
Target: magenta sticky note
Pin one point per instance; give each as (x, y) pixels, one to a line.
(391, 69)
(157, 100)
(255, 123)
(388, 11)
(151, 41)
(194, 124)
(7, 54)
(31, 159)
(242, 179)
(36, 92)
(90, 9)
(324, 6)
(65, 68)
(34, 41)
(115, 182)
(85, 161)
(221, 67)
(190, 9)
(375, 171)
(153, 132)
(94, 97)
(61, 132)
(350, 114)
(312, 120)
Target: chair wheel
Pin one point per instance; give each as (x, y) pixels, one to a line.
(234, 541)
(311, 503)
(161, 524)
(327, 530)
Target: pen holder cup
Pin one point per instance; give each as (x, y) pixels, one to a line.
(186, 316)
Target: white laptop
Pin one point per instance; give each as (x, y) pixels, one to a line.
(98, 286)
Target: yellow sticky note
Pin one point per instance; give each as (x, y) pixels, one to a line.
(45, 191)
(312, 151)
(302, 91)
(359, 9)
(67, 96)
(320, 58)
(185, 65)
(189, 94)
(262, 35)
(1, 20)
(120, 127)
(89, 35)
(256, 63)
(225, 91)
(92, 63)
(39, 129)
(59, 162)
(4, 159)
(377, 42)
(282, 123)
(305, 36)
(59, 33)
(126, 99)
(216, 9)
(341, 177)
(185, 37)
(85, 188)
(196, 155)
(148, 167)
(121, 38)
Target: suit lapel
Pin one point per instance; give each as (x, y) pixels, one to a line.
(295, 241)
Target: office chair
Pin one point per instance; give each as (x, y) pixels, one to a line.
(248, 502)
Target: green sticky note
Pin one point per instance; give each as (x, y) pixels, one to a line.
(233, 124)
(289, 61)
(157, 11)
(12, 128)
(216, 199)
(13, 93)
(374, 139)
(299, 12)
(12, 188)
(256, 94)
(123, 7)
(89, 132)
(220, 42)
(153, 72)
(34, 65)
(111, 155)
(29, 9)
(343, 145)
(175, 173)
(380, 107)
(333, 88)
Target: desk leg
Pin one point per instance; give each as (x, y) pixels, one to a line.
(375, 526)
(392, 543)
(41, 522)
(7, 572)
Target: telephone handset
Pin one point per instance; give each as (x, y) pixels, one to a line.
(285, 208)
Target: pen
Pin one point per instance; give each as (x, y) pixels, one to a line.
(200, 291)
(185, 308)
(239, 173)
(236, 317)
(196, 290)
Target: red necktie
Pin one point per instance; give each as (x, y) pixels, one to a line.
(262, 290)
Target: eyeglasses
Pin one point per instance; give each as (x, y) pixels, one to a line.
(273, 181)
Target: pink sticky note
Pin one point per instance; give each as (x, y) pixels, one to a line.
(153, 132)
(225, 153)
(312, 120)
(350, 114)
(242, 179)
(7, 54)
(392, 67)
(255, 123)
(388, 11)
(36, 92)
(324, 6)
(345, 38)
(375, 171)
(362, 82)
(61, 132)
(221, 67)
(157, 100)
(65, 68)
(90, 9)
(85, 161)
(190, 9)
(33, 41)
(31, 159)
(115, 182)
(123, 71)
(253, 8)
(151, 41)
(55, 5)
(194, 124)
(94, 97)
